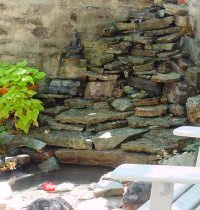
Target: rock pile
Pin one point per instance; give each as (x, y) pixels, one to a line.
(117, 98)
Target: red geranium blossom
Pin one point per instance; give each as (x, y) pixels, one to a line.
(49, 186)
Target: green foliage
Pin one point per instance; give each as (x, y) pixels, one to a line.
(19, 101)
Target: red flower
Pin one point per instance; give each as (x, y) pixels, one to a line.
(49, 186)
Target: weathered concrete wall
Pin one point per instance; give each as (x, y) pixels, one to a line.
(39, 30)
(194, 11)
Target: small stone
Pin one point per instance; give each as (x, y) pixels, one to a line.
(102, 60)
(166, 78)
(172, 9)
(146, 101)
(121, 48)
(168, 38)
(126, 26)
(151, 111)
(156, 24)
(99, 90)
(136, 195)
(64, 126)
(108, 188)
(177, 110)
(179, 92)
(193, 47)
(108, 126)
(144, 67)
(152, 88)
(157, 141)
(73, 68)
(53, 111)
(110, 139)
(161, 47)
(169, 54)
(165, 31)
(108, 31)
(49, 165)
(91, 116)
(23, 159)
(164, 121)
(64, 187)
(193, 109)
(63, 138)
(134, 60)
(122, 104)
(138, 39)
(192, 76)
(13, 141)
(145, 53)
(78, 103)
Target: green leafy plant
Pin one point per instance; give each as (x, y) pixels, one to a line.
(18, 99)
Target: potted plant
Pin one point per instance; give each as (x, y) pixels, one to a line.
(17, 88)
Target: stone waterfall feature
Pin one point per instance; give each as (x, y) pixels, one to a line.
(117, 98)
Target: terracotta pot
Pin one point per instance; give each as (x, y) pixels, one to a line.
(30, 87)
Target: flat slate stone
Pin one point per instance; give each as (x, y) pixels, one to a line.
(151, 111)
(165, 78)
(161, 47)
(64, 126)
(144, 67)
(156, 142)
(122, 104)
(63, 138)
(134, 60)
(91, 116)
(160, 32)
(164, 121)
(78, 103)
(108, 126)
(13, 141)
(156, 23)
(110, 139)
(106, 188)
(111, 158)
(168, 38)
(146, 101)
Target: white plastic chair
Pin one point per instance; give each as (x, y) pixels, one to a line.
(165, 194)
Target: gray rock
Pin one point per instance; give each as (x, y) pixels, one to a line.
(168, 38)
(193, 47)
(161, 47)
(193, 109)
(102, 60)
(110, 158)
(49, 165)
(122, 104)
(73, 68)
(110, 139)
(53, 111)
(192, 76)
(134, 60)
(164, 121)
(177, 110)
(13, 141)
(157, 141)
(179, 92)
(91, 116)
(151, 111)
(108, 126)
(166, 78)
(64, 126)
(63, 138)
(165, 31)
(136, 195)
(107, 188)
(74, 103)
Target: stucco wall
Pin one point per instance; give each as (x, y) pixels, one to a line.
(194, 12)
(38, 29)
